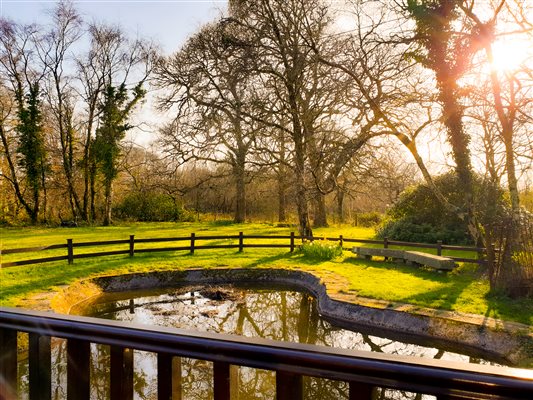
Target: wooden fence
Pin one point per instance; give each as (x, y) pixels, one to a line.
(191, 245)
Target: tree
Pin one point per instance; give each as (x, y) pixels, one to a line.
(301, 95)
(112, 61)
(60, 91)
(115, 111)
(211, 88)
(22, 78)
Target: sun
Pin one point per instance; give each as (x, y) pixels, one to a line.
(510, 54)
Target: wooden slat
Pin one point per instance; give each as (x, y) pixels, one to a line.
(8, 364)
(40, 371)
(360, 391)
(176, 379)
(101, 254)
(106, 243)
(33, 249)
(78, 371)
(121, 373)
(162, 249)
(288, 386)
(36, 261)
(225, 377)
(164, 376)
(161, 240)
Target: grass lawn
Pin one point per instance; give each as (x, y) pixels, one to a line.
(462, 290)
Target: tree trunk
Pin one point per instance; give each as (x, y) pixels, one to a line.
(340, 205)
(304, 223)
(240, 192)
(108, 203)
(92, 192)
(282, 198)
(320, 219)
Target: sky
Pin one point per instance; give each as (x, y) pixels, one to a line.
(167, 22)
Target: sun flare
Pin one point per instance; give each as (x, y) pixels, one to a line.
(509, 55)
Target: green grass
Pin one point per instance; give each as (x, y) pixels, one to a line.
(463, 290)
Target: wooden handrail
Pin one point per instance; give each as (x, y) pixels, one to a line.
(363, 370)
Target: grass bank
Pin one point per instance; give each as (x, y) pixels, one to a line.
(464, 290)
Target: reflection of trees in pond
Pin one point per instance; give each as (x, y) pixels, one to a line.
(282, 315)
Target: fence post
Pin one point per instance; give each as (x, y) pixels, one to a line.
(70, 251)
(132, 245)
(385, 242)
(193, 238)
(341, 241)
(241, 242)
(439, 247)
(292, 242)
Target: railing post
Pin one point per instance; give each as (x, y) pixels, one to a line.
(40, 369)
(168, 377)
(70, 251)
(241, 242)
(439, 247)
(121, 373)
(8, 364)
(226, 381)
(385, 242)
(193, 238)
(341, 241)
(288, 386)
(132, 245)
(360, 391)
(78, 371)
(292, 242)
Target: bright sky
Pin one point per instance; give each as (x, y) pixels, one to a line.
(168, 22)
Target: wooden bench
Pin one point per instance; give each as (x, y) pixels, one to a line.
(369, 252)
(429, 260)
(410, 257)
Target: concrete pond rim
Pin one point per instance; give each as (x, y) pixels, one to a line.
(501, 341)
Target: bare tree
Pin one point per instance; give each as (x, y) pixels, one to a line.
(210, 88)
(60, 94)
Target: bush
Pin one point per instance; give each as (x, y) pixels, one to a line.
(368, 220)
(420, 217)
(151, 207)
(321, 250)
(409, 231)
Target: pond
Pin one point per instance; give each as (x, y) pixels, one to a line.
(272, 314)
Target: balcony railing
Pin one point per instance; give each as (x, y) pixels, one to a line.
(363, 371)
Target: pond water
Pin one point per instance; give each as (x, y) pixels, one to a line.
(279, 315)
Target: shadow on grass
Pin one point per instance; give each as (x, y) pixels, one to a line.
(451, 286)
(502, 306)
(406, 269)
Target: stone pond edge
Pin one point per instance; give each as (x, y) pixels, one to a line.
(508, 341)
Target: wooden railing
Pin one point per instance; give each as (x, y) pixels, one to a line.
(364, 371)
(192, 245)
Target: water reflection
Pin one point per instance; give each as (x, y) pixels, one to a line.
(278, 315)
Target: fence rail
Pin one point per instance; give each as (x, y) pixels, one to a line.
(364, 371)
(192, 246)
